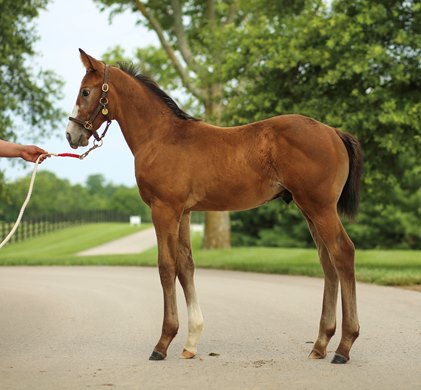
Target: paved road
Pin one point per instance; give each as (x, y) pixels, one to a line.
(94, 327)
(134, 243)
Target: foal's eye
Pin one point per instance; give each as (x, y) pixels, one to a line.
(85, 92)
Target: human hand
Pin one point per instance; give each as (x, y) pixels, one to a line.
(31, 153)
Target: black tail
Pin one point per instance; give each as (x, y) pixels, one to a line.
(350, 197)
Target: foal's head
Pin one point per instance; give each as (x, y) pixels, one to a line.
(91, 108)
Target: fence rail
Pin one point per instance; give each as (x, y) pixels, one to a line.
(35, 227)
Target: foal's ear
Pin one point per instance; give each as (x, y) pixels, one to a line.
(90, 63)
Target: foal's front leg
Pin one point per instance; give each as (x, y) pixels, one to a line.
(166, 222)
(186, 276)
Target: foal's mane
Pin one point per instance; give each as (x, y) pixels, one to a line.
(135, 72)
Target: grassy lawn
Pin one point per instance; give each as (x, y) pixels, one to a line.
(387, 267)
(65, 242)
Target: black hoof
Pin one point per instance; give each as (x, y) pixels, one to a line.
(157, 356)
(339, 359)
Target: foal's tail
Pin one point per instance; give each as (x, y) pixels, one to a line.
(350, 197)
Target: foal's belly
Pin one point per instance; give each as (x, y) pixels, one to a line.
(234, 198)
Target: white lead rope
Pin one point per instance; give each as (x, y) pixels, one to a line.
(31, 185)
(25, 203)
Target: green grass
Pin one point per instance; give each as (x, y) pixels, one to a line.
(386, 267)
(65, 242)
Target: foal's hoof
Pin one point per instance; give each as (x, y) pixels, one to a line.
(157, 356)
(316, 355)
(187, 354)
(339, 359)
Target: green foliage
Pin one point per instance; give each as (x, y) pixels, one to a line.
(28, 96)
(54, 196)
(272, 225)
(154, 62)
(199, 41)
(197, 33)
(355, 65)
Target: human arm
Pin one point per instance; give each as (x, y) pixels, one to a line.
(27, 152)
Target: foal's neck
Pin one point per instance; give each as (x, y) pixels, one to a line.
(142, 116)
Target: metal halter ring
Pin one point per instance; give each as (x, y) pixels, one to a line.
(105, 87)
(103, 101)
(99, 143)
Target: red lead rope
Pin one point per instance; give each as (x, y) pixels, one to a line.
(78, 156)
(74, 155)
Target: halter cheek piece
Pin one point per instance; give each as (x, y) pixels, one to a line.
(102, 107)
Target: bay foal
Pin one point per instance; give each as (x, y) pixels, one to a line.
(183, 165)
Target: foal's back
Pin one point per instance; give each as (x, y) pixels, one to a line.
(241, 167)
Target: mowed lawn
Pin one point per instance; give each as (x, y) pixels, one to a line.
(387, 267)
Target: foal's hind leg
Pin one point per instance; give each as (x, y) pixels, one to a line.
(341, 252)
(186, 276)
(330, 295)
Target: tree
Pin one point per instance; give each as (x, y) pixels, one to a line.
(357, 67)
(194, 59)
(53, 196)
(354, 65)
(58, 196)
(128, 200)
(194, 47)
(26, 98)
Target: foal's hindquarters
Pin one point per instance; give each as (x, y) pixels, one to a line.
(321, 182)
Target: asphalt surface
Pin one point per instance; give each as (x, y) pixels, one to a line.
(95, 327)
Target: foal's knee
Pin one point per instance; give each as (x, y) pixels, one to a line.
(167, 274)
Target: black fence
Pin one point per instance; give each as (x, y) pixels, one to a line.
(34, 227)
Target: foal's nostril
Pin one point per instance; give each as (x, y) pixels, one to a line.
(69, 138)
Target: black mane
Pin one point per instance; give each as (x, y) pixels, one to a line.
(135, 72)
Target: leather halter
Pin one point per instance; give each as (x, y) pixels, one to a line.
(102, 107)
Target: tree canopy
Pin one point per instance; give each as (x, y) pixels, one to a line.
(28, 95)
(54, 195)
(354, 65)
(198, 40)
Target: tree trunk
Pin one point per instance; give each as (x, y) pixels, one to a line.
(217, 224)
(217, 230)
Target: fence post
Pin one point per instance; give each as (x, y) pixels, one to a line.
(3, 230)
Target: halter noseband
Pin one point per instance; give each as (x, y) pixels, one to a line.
(102, 107)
